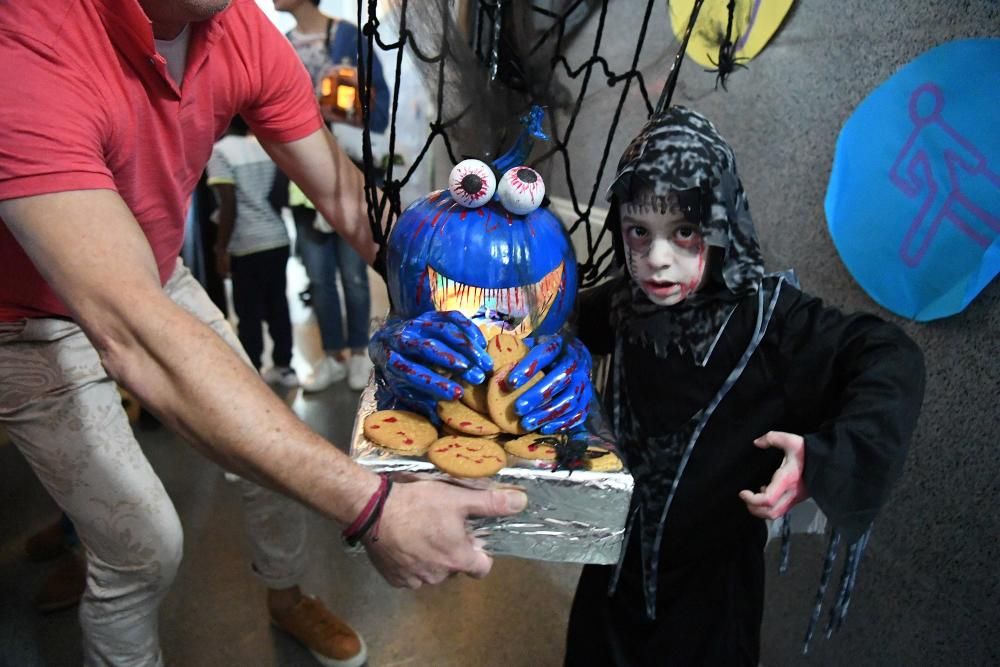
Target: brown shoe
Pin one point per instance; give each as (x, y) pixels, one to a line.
(64, 586)
(47, 543)
(332, 642)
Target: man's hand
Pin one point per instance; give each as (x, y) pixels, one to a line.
(422, 537)
(786, 488)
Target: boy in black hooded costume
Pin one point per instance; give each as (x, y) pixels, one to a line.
(724, 380)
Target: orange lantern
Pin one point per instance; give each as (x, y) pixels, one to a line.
(339, 96)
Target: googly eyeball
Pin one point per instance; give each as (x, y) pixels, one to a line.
(472, 183)
(521, 190)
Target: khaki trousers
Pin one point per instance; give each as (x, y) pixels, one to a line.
(65, 416)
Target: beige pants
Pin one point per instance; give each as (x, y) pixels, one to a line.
(65, 416)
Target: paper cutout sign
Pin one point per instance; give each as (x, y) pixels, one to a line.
(913, 203)
(754, 24)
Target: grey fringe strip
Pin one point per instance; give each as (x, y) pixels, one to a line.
(848, 578)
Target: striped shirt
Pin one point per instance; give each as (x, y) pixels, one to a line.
(243, 163)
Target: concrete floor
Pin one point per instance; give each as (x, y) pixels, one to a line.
(214, 616)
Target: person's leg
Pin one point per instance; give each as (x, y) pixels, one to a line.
(357, 298)
(709, 608)
(319, 257)
(592, 637)
(276, 528)
(275, 301)
(65, 416)
(248, 301)
(357, 307)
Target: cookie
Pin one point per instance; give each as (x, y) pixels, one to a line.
(529, 447)
(463, 456)
(444, 429)
(474, 396)
(501, 401)
(599, 459)
(401, 431)
(506, 348)
(464, 419)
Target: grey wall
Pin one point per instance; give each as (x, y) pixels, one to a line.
(927, 591)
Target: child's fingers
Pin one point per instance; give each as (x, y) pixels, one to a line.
(780, 483)
(783, 505)
(780, 439)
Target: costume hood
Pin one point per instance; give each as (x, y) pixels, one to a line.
(679, 150)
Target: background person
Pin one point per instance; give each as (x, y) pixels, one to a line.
(323, 43)
(252, 248)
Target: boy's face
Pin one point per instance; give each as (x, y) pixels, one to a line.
(665, 253)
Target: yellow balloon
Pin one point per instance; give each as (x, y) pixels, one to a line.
(754, 23)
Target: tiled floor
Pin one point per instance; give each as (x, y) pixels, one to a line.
(214, 615)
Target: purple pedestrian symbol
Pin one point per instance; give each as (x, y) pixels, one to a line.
(934, 164)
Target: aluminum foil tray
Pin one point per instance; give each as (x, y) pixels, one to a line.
(576, 517)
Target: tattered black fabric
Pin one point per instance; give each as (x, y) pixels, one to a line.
(679, 151)
(692, 385)
(850, 384)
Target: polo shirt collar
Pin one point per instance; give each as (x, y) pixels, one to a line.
(131, 32)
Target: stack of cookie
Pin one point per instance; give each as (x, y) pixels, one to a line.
(481, 432)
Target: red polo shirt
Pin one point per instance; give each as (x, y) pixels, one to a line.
(88, 104)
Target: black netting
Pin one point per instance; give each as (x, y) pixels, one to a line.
(484, 64)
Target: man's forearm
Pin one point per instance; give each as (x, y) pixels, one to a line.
(107, 276)
(333, 184)
(213, 399)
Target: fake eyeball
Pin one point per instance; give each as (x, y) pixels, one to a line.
(521, 190)
(472, 183)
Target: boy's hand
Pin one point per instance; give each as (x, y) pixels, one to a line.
(786, 488)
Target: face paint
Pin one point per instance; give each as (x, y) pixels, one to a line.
(666, 253)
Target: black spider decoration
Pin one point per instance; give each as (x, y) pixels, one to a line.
(570, 448)
(727, 62)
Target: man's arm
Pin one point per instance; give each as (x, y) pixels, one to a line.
(172, 362)
(196, 384)
(331, 182)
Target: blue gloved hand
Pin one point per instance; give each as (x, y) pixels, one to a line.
(561, 400)
(415, 359)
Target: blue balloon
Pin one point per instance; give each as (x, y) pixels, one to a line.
(913, 203)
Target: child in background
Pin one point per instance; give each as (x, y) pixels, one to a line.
(733, 396)
(252, 248)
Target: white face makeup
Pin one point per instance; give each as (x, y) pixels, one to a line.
(666, 254)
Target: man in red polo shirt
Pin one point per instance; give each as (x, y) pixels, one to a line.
(111, 109)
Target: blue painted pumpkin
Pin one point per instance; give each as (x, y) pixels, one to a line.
(506, 272)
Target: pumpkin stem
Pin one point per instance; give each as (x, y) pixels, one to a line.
(519, 152)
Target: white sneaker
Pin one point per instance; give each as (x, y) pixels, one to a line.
(324, 374)
(281, 375)
(361, 370)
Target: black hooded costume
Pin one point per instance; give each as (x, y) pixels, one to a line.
(692, 385)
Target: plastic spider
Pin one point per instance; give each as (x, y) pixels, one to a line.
(727, 63)
(570, 449)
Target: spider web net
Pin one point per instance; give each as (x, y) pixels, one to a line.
(483, 64)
